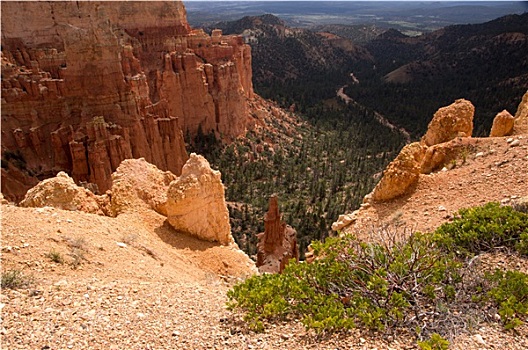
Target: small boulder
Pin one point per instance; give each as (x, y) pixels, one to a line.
(344, 221)
(61, 192)
(138, 184)
(521, 117)
(442, 155)
(196, 202)
(502, 124)
(455, 120)
(400, 174)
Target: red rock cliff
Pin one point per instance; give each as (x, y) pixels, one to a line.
(86, 85)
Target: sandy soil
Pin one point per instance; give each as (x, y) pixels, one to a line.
(132, 282)
(491, 170)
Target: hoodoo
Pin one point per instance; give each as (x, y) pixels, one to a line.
(86, 85)
(278, 243)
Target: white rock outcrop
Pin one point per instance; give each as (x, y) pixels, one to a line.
(137, 184)
(61, 192)
(196, 202)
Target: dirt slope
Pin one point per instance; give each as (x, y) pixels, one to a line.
(141, 285)
(133, 282)
(491, 169)
(130, 281)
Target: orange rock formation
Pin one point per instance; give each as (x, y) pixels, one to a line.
(86, 85)
(278, 243)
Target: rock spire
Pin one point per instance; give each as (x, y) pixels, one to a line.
(278, 243)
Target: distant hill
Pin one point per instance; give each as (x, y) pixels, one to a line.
(404, 78)
(292, 65)
(407, 16)
(358, 34)
(485, 63)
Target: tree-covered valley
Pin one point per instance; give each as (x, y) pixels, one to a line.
(338, 151)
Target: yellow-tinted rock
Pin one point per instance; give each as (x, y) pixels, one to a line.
(61, 192)
(400, 174)
(502, 124)
(196, 202)
(449, 122)
(138, 184)
(521, 117)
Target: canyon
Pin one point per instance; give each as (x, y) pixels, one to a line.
(140, 253)
(86, 85)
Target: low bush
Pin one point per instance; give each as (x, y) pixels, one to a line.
(435, 342)
(14, 279)
(56, 257)
(484, 228)
(424, 283)
(378, 286)
(509, 292)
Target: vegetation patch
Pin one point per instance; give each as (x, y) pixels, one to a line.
(15, 279)
(318, 171)
(56, 257)
(418, 284)
(482, 229)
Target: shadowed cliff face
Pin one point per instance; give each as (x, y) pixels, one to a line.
(86, 85)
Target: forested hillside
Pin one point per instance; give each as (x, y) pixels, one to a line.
(321, 171)
(326, 167)
(484, 63)
(295, 66)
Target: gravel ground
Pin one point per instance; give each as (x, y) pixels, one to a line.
(132, 282)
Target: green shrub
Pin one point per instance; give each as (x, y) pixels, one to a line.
(435, 342)
(510, 293)
(481, 229)
(14, 279)
(414, 283)
(375, 286)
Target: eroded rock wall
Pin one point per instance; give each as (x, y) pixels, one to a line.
(86, 85)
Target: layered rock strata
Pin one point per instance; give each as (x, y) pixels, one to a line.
(277, 245)
(86, 85)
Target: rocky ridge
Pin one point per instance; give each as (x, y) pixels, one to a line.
(433, 182)
(194, 203)
(87, 85)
